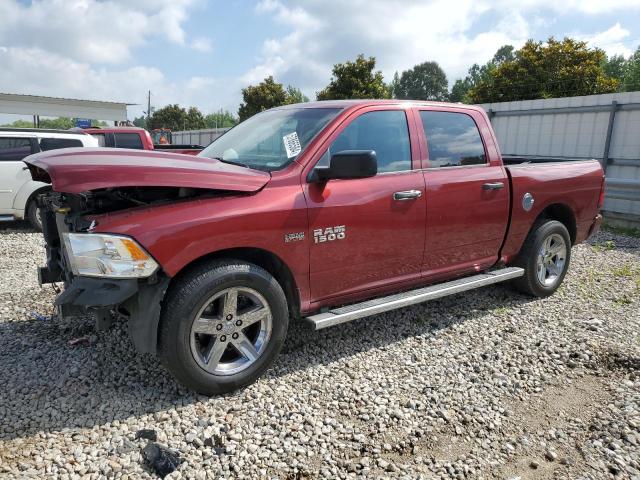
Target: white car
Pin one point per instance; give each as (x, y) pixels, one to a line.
(17, 190)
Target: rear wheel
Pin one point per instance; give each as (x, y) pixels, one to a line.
(222, 326)
(33, 215)
(545, 258)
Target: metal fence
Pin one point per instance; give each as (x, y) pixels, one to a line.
(605, 127)
(197, 137)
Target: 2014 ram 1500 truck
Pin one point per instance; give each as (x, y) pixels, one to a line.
(326, 212)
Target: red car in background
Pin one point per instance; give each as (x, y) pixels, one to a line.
(136, 138)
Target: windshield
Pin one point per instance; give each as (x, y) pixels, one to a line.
(270, 140)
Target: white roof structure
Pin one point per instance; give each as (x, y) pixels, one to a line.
(62, 107)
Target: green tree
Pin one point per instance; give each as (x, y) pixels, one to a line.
(221, 119)
(425, 81)
(60, 123)
(393, 84)
(477, 74)
(19, 124)
(177, 118)
(631, 82)
(355, 79)
(556, 69)
(295, 95)
(459, 90)
(140, 121)
(195, 119)
(614, 67)
(265, 95)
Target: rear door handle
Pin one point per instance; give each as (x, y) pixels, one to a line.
(492, 186)
(407, 195)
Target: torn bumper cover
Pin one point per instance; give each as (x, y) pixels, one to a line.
(138, 300)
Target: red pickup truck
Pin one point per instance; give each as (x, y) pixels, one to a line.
(325, 212)
(135, 138)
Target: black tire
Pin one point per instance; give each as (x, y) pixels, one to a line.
(185, 300)
(33, 215)
(530, 283)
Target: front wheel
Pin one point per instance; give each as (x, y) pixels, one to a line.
(222, 326)
(33, 215)
(545, 258)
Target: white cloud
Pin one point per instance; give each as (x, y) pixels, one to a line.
(85, 48)
(73, 49)
(399, 33)
(58, 76)
(610, 40)
(402, 33)
(92, 30)
(201, 45)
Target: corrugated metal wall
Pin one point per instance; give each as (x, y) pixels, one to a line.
(197, 137)
(605, 127)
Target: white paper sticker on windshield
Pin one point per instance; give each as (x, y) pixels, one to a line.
(292, 144)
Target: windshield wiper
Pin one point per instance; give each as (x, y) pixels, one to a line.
(231, 162)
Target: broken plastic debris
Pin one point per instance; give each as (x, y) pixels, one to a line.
(161, 460)
(39, 316)
(147, 434)
(75, 341)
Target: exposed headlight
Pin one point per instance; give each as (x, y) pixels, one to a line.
(103, 255)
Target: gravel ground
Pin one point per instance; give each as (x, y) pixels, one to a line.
(488, 384)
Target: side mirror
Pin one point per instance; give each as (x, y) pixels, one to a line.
(347, 164)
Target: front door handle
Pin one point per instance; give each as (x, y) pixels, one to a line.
(492, 186)
(407, 195)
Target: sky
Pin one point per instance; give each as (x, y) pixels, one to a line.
(203, 52)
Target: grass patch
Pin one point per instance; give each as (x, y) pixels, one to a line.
(623, 300)
(501, 310)
(625, 271)
(604, 246)
(628, 231)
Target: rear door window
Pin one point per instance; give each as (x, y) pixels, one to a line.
(14, 148)
(56, 143)
(453, 139)
(128, 140)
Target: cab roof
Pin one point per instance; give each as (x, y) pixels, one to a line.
(344, 104)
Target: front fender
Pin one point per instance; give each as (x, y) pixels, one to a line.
(178, 234)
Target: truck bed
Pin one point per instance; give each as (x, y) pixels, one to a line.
(576, 184)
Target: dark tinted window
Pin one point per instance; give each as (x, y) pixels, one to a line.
(453, 139)
(128, 140)
(14, 148)
(55, 143)
(384, 131)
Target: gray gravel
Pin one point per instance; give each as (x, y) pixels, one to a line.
(481, 385)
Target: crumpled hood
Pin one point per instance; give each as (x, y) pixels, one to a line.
(76, 170)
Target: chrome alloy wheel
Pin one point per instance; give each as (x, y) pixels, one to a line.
(551, 260)
(231, 331)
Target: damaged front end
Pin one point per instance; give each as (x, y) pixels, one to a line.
(105, 275)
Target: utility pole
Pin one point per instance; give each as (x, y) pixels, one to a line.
(148, 109)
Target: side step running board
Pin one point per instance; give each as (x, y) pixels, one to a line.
(339, 315)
